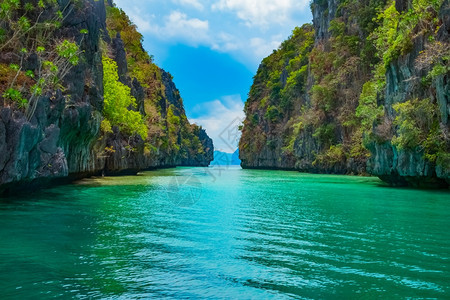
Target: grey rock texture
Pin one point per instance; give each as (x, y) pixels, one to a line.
(263, 141)
(403, 82)
(63, 141)
(323, 13)
(270, 153)
(57, 141)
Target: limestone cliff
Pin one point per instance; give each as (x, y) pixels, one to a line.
(301, 108)
(52, 98)
(408, 80)
(344, 100)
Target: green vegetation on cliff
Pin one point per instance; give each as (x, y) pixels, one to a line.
(25, 33)
(372, 79)
(167, 129)
(278, 85)
(118, 100)
(79, 95)
(415, 127)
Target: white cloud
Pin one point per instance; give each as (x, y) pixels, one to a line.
(221, 118)
(262, 12)
(246, 49)
(225, 42)
(143, 25)
(190, 3)
(262, 47)
(174, 22)
(176, 26)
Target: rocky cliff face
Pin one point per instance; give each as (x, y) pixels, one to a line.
(304, 118)
(323, 13)
(332, 104)
(405, 78)
(57, 141)
(61, 137)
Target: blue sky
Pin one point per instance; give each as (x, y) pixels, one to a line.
(213, 49)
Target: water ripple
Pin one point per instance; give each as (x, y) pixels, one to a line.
(250, 235)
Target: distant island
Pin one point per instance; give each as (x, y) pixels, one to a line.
(226, 159)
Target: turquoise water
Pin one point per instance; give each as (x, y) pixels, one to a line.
(205, 233)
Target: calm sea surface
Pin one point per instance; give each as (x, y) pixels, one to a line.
(226, 234)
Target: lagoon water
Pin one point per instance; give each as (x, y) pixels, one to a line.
(226, 234)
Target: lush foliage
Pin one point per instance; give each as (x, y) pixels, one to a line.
(24, 25)
(283, 74)
(368, 110)
(119, 22)
(28, 30)
(436, 59)
(118, 101)
(278, 88)
(139, 62)
(414, 121)
(418, 127)
(168, 130)
(395, 35)
(334, 155)
(343, 106)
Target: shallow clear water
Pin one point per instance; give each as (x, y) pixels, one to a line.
(202, 233)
